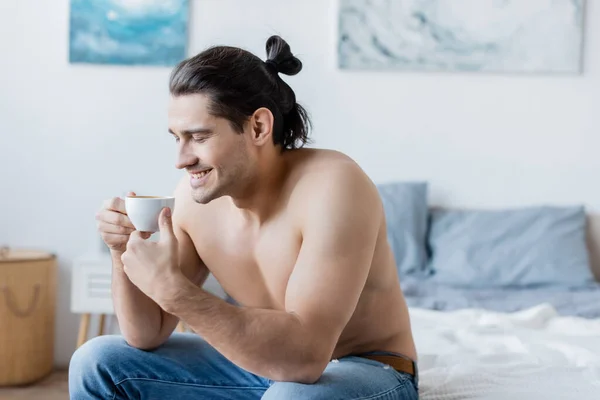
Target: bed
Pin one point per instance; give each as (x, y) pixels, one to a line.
(531, 354)
(514, 342)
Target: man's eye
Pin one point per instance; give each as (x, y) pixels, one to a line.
(199, 139)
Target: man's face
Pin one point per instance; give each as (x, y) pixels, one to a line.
(215, 156)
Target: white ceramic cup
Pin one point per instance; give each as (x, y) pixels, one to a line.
(143, 211)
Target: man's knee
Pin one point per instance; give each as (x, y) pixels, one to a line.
(93, 366)
(99, 351)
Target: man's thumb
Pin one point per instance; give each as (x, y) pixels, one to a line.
(166, 224)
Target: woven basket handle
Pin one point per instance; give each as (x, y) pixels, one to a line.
(11, 303)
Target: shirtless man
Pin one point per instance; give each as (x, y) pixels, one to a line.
(296, 236)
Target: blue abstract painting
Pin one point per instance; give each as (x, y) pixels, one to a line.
(527, 36)
(128, 32)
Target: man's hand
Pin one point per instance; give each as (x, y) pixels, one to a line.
(114, 225)
(153, 266)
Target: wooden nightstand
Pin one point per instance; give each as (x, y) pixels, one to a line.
(91, 293)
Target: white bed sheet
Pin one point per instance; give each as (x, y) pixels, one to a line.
(532, 354)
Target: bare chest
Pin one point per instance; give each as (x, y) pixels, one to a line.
(252, 265)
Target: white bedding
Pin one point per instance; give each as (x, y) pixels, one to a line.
(531, 354)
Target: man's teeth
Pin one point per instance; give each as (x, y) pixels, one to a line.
(200, 174)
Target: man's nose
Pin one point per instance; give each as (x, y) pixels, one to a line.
(185, 158)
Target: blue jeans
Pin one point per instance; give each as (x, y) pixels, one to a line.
(187, 367)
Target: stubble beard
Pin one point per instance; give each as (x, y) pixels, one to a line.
(231, 179)
(231, 182)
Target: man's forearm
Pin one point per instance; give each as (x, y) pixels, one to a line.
(139, 316)
(269, 343)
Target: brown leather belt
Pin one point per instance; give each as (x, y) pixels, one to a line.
(400, 364)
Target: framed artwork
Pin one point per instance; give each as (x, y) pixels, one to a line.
(521, 36)
(128, 32)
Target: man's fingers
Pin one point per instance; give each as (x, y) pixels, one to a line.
(137, 240)
(115, 204)
(166, 225)
(140, 236)
(107, 227)
(137, 235)
(115, 218)
(114, 239)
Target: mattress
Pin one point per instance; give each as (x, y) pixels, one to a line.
(532, 354)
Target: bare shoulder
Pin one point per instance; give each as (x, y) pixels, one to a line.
(331, 177)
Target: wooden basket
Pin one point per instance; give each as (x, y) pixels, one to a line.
(27, 308)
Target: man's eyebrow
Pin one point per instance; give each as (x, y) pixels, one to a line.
(192, 131)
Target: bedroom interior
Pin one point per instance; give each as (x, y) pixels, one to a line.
(475, 119)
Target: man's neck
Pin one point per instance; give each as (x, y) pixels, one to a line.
(260, 199)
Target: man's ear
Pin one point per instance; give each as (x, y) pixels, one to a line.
(261, 125)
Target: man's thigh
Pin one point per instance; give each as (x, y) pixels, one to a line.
(184, 367)
(350, 378)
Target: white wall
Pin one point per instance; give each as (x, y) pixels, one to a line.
(481, 140)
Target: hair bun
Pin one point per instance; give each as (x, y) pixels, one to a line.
(280, 57)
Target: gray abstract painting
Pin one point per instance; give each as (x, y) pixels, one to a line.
(128, 32)
(461, 35)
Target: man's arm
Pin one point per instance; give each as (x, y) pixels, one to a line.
(339, 232)
(139, 317)
(143, 323)
(195, 271)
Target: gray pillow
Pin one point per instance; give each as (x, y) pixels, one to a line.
(406, 213)
(520, 247)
